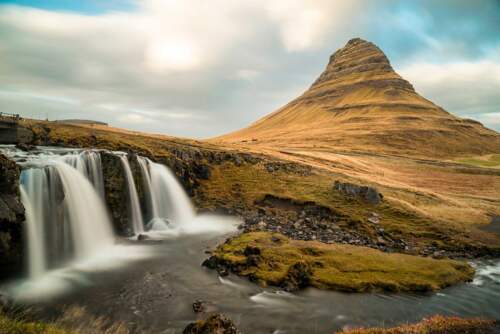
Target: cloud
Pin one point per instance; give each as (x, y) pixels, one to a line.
(202, 68)
(468, 89)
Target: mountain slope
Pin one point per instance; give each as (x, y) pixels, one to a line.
(360, 103)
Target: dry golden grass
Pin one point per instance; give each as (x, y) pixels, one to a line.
(434, 325)
(75, 320)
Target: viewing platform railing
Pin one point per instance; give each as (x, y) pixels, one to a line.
(9, 118)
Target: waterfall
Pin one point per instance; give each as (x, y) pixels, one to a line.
(88, 163)
(135, 213)
(66, 218)
(167, 200)
(90, 226)
(33, 204)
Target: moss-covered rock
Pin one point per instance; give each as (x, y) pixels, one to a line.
(214, 324)
(11, 218)
(294, 264)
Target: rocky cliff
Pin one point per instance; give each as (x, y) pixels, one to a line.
(11, 218)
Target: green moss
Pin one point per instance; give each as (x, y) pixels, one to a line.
(340, 267)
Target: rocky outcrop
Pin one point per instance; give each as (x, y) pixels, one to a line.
(311, 221)
(360, 59)
(11, 218)
(115, 190)
(298, 277)
(367, 194)
(214, 324)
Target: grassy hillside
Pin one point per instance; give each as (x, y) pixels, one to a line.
(429, 204)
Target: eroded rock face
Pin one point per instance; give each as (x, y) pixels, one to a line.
(367, 194)
(115, 190)
(11, 218)
(214, 324)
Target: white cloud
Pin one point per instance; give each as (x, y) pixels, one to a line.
(304, 24)
(190, 67)
(468, 89)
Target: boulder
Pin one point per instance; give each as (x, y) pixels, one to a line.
(199, 306)
(215, 324)
(298, 277)
(367, 194)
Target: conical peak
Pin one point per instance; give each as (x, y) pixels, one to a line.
(357, 52)
(358, 60)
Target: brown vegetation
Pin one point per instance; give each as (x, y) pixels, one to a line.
(434, 325)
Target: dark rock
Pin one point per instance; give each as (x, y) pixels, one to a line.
(11, 218)
(199, 306)
(214, 324)
(25, 147)
(201, 171)
(367, 194)
(142, 237)
(298, 277)
(253, 260)
(210, 263)
(251, 250)
(116, 194)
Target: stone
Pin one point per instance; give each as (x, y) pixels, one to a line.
(298, 277)
(251, 250)
(367, 194)
(215, 324)
(201, 171)
(25, 147)
(199, 306)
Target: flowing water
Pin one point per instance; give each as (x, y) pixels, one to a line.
(134, 205)
(169, 208)
(74, 259)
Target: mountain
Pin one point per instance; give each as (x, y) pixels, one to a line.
(359, 103)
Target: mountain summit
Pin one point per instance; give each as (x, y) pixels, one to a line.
(360, 103)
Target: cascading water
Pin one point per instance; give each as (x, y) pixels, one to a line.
(67, 227)
(66, 218)
(90, 226)
(135, 213)
(36, 249)
(168, 202)
(89, 164)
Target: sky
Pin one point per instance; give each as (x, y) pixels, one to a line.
(197, 68)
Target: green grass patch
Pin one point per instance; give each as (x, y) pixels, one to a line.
(338, 266)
